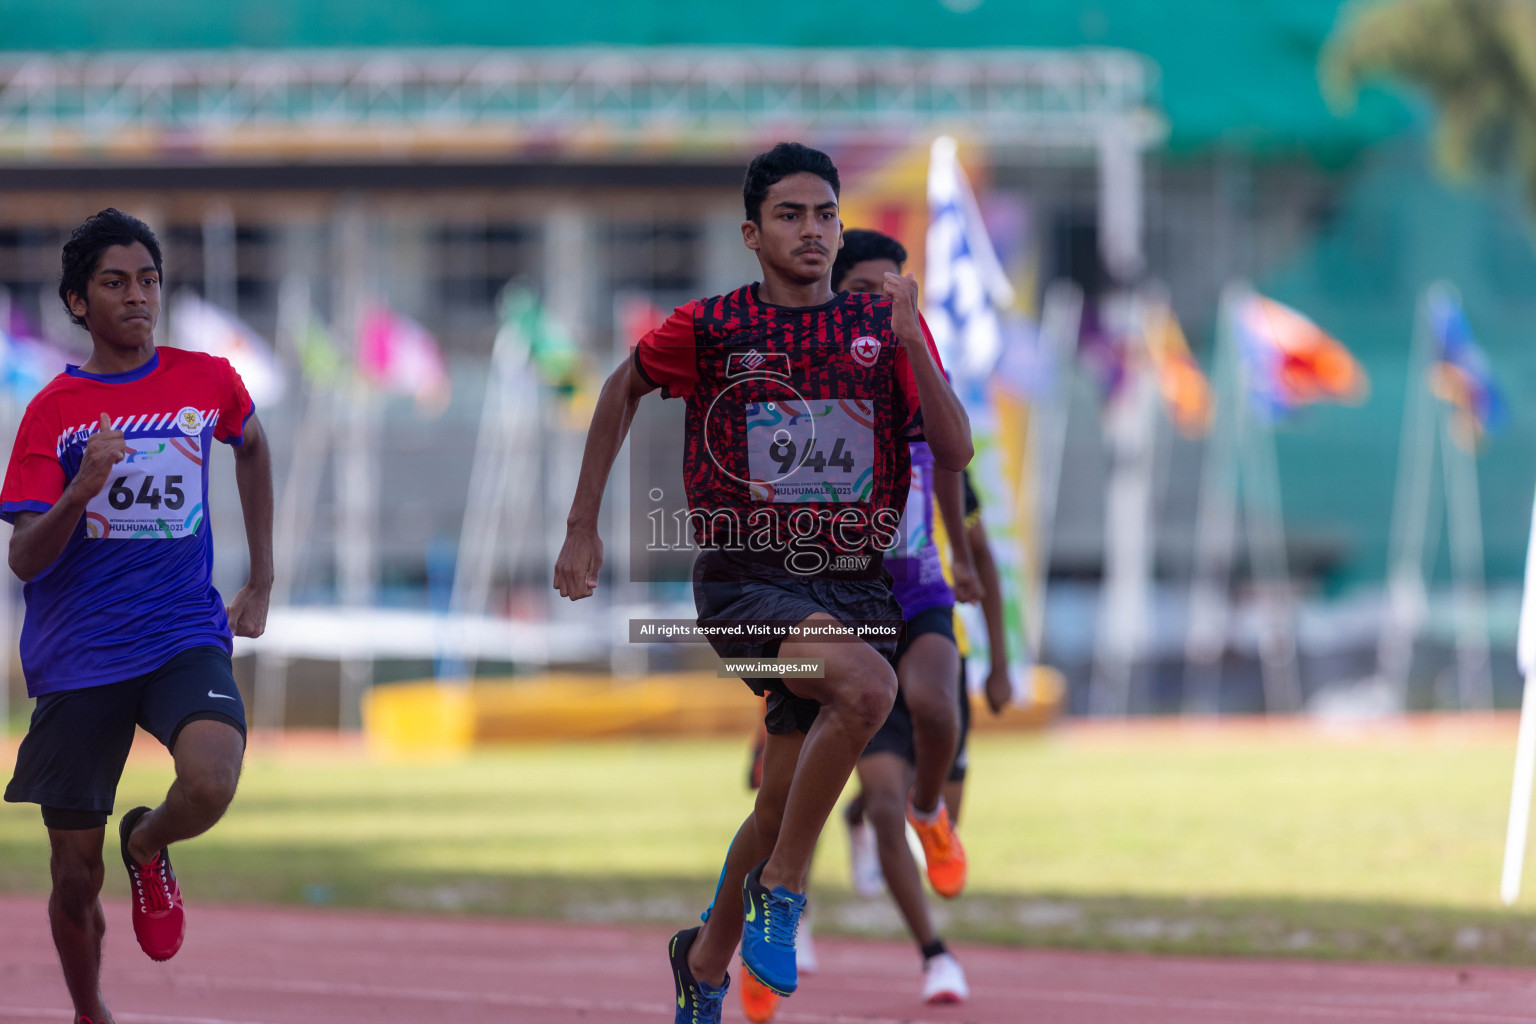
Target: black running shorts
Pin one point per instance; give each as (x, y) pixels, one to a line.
(729, 589)
(895, 735)
(939, 619)
(73, 754)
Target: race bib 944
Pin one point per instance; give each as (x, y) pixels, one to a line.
(155, 493)
(821, 450)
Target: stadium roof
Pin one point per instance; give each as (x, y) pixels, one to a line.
(1237, 73)
(293, 103)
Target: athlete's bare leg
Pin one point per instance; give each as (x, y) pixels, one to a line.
(954, 795)
(886, 779)
(929, 674)
(207, 756)
(711, 953)
(74, 914)
(855, 695)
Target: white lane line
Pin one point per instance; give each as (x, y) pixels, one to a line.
(1270, 1007)
(1023, 995)
(1146, 1002)
(438, 996)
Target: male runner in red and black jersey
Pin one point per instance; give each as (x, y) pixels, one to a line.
(107, 493)
(800, 401)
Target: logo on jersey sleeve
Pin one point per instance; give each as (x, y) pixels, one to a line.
(189, 421)
(865, 350)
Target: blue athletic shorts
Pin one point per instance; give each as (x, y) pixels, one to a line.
(73, 754)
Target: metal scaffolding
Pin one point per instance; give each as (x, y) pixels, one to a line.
(142, 105)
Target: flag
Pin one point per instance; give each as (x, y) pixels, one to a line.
(320, 360)
(1103, 353)
(1460, 375)
(27, 362)
(965, 285)
(1185, 391)
(399, 356)
(549, 345)
(638, 316)
(201, 326)
(1290, 362)
(965, 293)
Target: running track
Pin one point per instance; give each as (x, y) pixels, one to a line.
(301, 966)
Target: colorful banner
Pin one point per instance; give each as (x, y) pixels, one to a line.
(965, 292)
(1185, 390)
(200, 326)
(1461, 375)
(399, 356)
(27, 362)
(1289, 361)
(551, 348)
(320, 358)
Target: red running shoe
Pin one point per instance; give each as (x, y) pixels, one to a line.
(159, 920)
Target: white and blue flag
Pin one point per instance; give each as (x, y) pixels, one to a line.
(965, 292)
(965, 287)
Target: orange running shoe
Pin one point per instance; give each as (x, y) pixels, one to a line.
(758, 1002)
(942, 851)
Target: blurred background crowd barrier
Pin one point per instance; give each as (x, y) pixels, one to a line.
(1237, 294)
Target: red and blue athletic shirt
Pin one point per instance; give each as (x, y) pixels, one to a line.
(134, 585)
(795, 451)
(915, 564)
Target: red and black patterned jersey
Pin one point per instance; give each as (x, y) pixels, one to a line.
(797, 425)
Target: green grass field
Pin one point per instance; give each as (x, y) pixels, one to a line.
(1246, 842)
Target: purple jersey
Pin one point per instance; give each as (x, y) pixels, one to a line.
(915, 564)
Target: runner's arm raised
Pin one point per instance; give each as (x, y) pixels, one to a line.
(581, 556)
(253, 474)
(39, 538)
(946, 427)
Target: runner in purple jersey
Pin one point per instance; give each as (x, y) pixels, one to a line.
(915, 565)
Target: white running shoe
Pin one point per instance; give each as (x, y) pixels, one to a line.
(864, 859)
(805, 948)
(944, 981)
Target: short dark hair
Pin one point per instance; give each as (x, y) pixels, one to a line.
(770, 168)
(859, 245)
(82, 253)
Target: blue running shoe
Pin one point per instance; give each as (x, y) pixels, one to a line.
(697, 1003)
(768, 932)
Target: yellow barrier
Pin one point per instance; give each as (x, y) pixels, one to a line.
(426, 719)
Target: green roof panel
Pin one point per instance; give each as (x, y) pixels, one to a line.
(1235, 72)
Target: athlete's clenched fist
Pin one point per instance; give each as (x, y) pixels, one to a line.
(902, 291)
(105, 449)
(581, 556)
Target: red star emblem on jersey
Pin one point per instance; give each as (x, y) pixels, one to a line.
(865, 350)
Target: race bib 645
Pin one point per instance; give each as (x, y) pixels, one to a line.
(155, 493)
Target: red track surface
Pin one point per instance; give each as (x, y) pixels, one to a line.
(297, 966)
